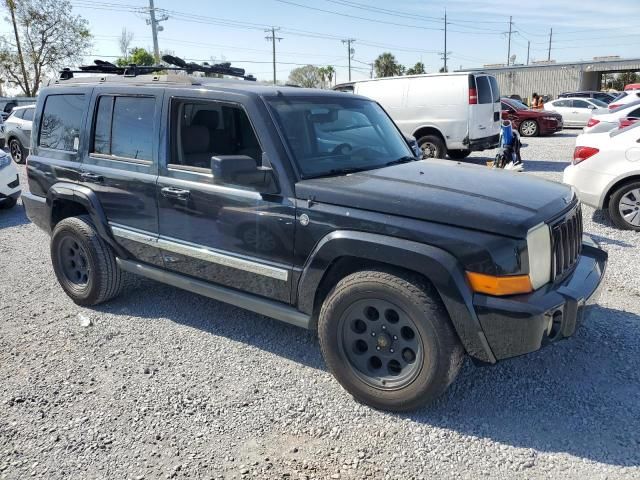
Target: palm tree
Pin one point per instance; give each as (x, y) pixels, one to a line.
(322, 73)
(329, 72)
(386, 65)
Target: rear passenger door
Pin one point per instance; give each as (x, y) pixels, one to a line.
(121, 165)
(581, 111)
(221, 232)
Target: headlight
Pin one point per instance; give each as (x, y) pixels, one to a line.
(553, 119)
(5, 160)
(539, 247)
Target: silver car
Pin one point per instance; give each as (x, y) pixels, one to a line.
(17, 132)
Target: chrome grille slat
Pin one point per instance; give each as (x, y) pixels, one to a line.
(566, 238)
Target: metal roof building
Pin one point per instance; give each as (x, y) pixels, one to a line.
(550, 78)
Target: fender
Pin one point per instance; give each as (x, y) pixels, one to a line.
(89, 200)
(439, 266)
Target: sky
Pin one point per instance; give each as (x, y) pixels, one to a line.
(413, 30)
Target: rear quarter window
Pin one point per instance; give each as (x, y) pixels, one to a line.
(61, 122)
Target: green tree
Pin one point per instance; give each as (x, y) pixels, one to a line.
(307, 76)
(139, 56)
(47, 37)
(625, 78)
(330, 73)
(386, 65)
(417, 69)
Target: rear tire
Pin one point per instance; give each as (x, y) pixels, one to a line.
(432, 146)
(83, 262)
(458, 154)
(529, 128)
(18, 152)
(415, 353)
(624, 207)
(8, 203)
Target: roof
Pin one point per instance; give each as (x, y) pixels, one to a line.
(595, 65)
(172, 80)
(460, 73)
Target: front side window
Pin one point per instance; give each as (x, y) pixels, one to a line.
(333, 135)
(124, 127)
(61, 122)
(201, 130)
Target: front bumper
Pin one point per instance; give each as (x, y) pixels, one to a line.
(523, 323)
(548, 127)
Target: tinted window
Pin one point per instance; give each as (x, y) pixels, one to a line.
(495, 89)
(484, 89)
(61, 120)
(635, 113)
(562, 103)
(580, 104)
(17, 113)
(102, 130)
(132, 127)
(201, 130)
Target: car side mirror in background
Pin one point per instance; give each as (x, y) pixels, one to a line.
(243, 171)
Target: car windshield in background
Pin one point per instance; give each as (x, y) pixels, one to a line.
(517, 105)
(336, 135)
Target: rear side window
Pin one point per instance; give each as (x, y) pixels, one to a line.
(562, 103)
(17, 113)
(28, 114)
(61, 121)
(581, 104)
(124, 127)
(495, 89)
(484, 89)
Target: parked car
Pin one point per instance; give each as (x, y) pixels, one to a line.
(575, 112)
(606, 174)
(624, 98)
(9, 182)
(610, 119)
(632, 86)
(602, 96)
(449, 114)
(17, 132)
(401, 265)
(530, 123)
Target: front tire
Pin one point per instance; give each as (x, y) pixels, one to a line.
(458, 154)
(18, 152)
(529, 128)
(624, 207)
(8, 203)
(388, 340)
(83, 262)
(432, 146)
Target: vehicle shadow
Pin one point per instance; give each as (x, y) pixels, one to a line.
(578, 396)
(544, 166)
(13, 217)
(574, 133)
(601, 217)
(604, 241)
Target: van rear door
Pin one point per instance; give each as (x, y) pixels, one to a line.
(484, 107)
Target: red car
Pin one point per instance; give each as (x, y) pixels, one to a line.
(530, 123)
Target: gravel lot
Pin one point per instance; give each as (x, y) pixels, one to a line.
(161, 383)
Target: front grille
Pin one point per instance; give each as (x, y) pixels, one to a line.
(566, 242)
(15, 183)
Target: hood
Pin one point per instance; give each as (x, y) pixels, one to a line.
(463, 195)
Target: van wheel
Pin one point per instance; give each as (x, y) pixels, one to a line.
(83, 263)
(432, 146)
(529, 128)
(624, 207)
(458, 154)
(388, 340)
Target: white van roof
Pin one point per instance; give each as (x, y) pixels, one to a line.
(451, 74)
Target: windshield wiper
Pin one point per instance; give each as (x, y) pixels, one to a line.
(405, 159)
(340, 171)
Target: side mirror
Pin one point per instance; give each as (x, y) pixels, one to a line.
(244, 171)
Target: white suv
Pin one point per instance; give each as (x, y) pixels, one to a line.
(9, 182)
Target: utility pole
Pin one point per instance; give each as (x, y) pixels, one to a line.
(155, 28)
(528, 50)
(348, 42)
(509, 41)
(550, 37)
(445, 55)
(273, 39)
(12, 7)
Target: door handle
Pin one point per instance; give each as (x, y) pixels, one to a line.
(172, 192)
(91, 177)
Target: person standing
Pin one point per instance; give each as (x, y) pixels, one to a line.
(536, 102)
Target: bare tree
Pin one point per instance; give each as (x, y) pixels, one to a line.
(50, 37)
(126, 37)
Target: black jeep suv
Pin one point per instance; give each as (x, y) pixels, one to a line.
(307, 206)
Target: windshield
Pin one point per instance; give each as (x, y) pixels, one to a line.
(516, 104)
(333, 135)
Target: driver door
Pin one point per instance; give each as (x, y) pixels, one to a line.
(228, 234)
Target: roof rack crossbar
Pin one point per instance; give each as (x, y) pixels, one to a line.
(133, 70)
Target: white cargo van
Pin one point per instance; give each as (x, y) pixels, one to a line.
(447, 113)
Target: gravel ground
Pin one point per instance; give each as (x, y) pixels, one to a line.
(161, 383)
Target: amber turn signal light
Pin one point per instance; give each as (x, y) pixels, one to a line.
(499, 286)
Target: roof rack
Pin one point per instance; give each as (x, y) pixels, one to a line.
(133, 70)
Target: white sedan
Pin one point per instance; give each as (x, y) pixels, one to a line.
(606, 174)
(9, 182)
(576, 112)
(604, 122)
